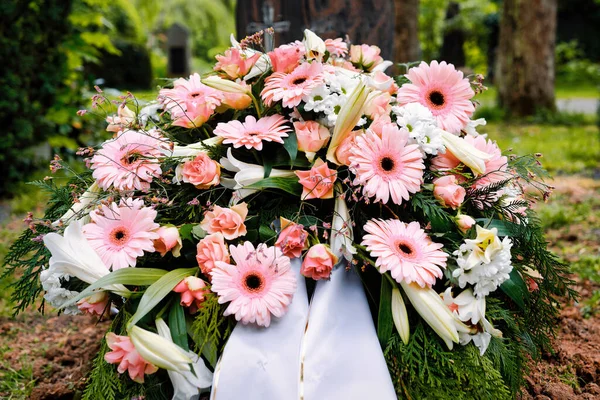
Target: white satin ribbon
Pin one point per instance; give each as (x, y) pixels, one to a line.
(263, 363)
(342, 356)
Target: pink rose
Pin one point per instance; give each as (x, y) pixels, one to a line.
(318, 262)
(94, 304)
(192, 291)
(286, 57)
(210, 249)
(235, 64)
(336, 47)
(311, 137)
(382, 82)
(201, 172)
(123, 353)
(365, 56)
(227, 221)
(464, 222)
(318, 181)
(378, 104)
(342, 153)
(447, 190)
(168, 240)
(237, 101)
(292, 238)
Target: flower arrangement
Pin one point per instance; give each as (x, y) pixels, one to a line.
(238, 195)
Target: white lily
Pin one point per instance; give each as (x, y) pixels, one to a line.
(89, 196)
(465, 152)
(186, 384)
(485, 246)
(225, 85)
(383, 66)
(315, 46)
(246, 175)
(341, 231)
(399, 315)
(159, 351)
(432, 309)
(347, 119)
(192, 150)
(262, 65)
(72, 255)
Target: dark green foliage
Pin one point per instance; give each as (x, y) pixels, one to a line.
(210, 330)
(426, 369)
(128, 70)
(33, 68)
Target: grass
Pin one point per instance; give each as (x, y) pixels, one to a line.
(565, 149)
(563, 91)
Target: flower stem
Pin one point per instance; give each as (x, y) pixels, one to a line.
(256, 105)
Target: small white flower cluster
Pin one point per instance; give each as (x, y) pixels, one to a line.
(56, 295)
(421, 124)
(485, 274)
(329, 97)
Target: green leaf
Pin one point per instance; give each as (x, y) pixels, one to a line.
(198, 232)
(289, 185)
(157, 291)
(266, 233)
(186, 232)
(178, 326)
(123, 276)
(291, 146)
(516, 288)
(385, 323)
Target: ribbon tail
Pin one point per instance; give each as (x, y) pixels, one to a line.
(342, 356)
(262, 363)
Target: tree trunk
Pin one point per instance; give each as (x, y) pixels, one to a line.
(526, 56)
(406, 38)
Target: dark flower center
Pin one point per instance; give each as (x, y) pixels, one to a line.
(405, 249)
(119, 236)
(194, 95)
(130, 158)
(298, 81)
(253, 282)
(387, 164)
(436, 98)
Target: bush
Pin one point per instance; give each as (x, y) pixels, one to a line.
(130, 69)
(33, 68)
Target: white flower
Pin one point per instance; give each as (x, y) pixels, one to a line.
(72, 255)
(471, 128)
(87, 198)
(341, 231)
(422, 127)
(316, 100)
(315, 46)
(150, 113)
(246, 175)
(56, 295)
(436, 314)
(186, 384)
(465, 152)
(225, 85)
(399, 315)
(159, 351)
(471, 310)
(484, 262)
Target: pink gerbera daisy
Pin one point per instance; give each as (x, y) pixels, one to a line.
(130, 161)
(442, 89)
(260, 284)
(121, 233)
(386, 165)
(405, 250)
(495, 167)
(190, 102)
(289, 88)
(251, 133)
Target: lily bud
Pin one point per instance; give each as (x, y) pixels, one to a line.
(226, 85)
(465, 152)
(432, 309)
(90, 195)
(341, 230)
(347, 119)
(400, 315)
(159, 351)
(315, 46)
